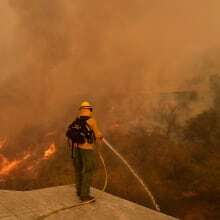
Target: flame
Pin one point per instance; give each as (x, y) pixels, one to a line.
(7, 166)
(24, 164)
(50, 151)
(3, 141)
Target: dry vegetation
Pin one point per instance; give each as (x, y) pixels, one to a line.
(179, 162)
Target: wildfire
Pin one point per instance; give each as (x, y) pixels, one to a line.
(24, 163)
(7, 166)
(50, 151)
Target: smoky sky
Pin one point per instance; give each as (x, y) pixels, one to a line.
(56, 53)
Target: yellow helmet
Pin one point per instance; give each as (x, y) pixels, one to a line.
(85, 105)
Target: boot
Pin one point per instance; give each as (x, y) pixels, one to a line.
(87, 198)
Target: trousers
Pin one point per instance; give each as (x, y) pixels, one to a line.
(84, 163)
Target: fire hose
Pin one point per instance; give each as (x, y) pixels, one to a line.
(106, 181)
(153, 200)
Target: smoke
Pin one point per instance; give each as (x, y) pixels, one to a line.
(57, 53)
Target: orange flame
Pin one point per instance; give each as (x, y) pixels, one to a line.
(50, 151)
(6, 166)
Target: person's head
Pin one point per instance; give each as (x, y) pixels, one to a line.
(86, 108)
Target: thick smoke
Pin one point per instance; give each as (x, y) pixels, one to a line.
(126, 57)
(57, 53)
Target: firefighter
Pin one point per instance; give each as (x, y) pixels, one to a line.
(84, 155)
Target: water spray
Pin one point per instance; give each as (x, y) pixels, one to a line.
(153, 200)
